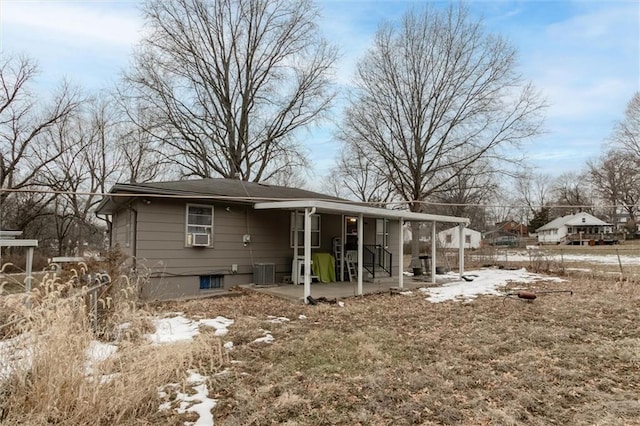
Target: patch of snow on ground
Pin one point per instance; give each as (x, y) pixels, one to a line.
(277, 320)
(578, 269)
(96, 353)
(221, 324)
(266, 338)
(519, 256)
(228, 345)
(175, 329)
(15, 354)
(487, 281)
(199, 403)
(180, 328)
(406, 293)
(302, 317)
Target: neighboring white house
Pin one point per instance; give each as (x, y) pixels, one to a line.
(579, 226)
(450, 238)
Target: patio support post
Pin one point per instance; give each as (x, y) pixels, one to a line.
(295, 269)
(343, 240)
(461, 249)
(400, 254)
(360, 248)
(433, 251)
(307, 252)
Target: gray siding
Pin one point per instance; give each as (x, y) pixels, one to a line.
(175, 268)
(120, 227)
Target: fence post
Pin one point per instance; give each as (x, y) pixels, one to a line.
(620, 263)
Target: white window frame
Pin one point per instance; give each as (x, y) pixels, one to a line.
(292, 222)
(208, 228)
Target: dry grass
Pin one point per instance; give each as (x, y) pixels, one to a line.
(382, 359)
(54, 384)
(402, 360)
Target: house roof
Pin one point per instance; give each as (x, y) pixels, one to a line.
(348, 208)
(262, 196)
(574, 220)
(455, 229)
(214, 189)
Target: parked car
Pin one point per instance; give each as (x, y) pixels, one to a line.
(505, 240)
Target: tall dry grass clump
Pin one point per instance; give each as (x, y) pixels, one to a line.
(57, 372)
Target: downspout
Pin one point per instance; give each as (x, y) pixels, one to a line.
(134, 239)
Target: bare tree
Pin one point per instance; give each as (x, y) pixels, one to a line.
(229, 83)
(85, 170)
(615, 177)
(24, 122)
(627, 131)
(436, 95)
(571, 189)
(466, 191)
(355, 176)
(534, 190)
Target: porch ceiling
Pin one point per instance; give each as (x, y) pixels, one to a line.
(354, 209)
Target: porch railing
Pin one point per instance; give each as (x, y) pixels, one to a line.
(376, 258)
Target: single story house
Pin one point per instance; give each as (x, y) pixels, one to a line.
(512, 227)
(450, 238)
(195, 237)
(579, 227)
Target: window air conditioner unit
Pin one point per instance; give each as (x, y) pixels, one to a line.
(264, 273)
(200, 240)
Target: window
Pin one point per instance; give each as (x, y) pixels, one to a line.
(467, 239)
(199, 225)
(209, 282)
(447, 239)
(297, 226)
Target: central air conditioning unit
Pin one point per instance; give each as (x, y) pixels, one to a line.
(264, 273)
(200, 240)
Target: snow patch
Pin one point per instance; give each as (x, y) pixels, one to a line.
(486, 282)
(180, 328)
(15, 354)
(96, 353)
(266, 337)
(277, 320)
(198, 403)
(221, 324)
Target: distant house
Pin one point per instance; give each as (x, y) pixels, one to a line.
(577, 228)
(197, 237)
(450, 238)
(513, 227)
(621, 221)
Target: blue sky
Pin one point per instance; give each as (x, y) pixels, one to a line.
(582, 55)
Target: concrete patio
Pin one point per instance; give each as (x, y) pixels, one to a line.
(338, 290)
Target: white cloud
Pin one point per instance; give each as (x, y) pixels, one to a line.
(113, 23)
